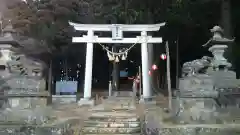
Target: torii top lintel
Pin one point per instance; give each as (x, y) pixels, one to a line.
(124, 27)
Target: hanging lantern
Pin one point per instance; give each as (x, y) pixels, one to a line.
(117, 59)
(163, 56)
(154, 67)
(149, 72)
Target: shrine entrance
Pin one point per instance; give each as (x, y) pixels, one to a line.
(117, 38)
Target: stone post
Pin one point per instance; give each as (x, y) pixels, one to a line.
(145, 67)
(110, 89)
(134, 87)
(88, 71)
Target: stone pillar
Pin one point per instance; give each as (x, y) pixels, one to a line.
(88, 67)
(145, 67)
(88, 71)
(110, 89)
(150, 57)
(134, 87)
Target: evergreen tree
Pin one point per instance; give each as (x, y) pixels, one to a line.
(46, 21)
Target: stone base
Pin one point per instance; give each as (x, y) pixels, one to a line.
(193, 110)
(64, 99)
(149, 100)
(123, 94)
(84, 101)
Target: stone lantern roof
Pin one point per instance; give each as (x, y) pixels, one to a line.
(218, 46)
(217, 29)
(218, 37)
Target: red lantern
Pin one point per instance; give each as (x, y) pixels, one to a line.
(154, 67)
(163, 56)
(149, 72)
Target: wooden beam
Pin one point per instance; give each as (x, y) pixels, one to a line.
(111, 41)
(124, 27)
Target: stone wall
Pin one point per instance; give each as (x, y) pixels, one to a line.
(190, 110)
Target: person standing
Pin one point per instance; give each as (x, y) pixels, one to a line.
(136, 85)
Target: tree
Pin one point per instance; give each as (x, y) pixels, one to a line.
(219, 14)
(45, 21)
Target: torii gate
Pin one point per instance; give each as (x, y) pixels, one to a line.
(117, 37)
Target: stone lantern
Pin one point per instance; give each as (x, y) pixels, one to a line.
(6, 43)
(218, 46)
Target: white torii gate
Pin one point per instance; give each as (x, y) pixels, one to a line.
(117, 37)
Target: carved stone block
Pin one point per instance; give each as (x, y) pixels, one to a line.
(24, 103)
(195, 83)
(195, 109)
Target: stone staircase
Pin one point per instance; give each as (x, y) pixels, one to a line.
(114, 117)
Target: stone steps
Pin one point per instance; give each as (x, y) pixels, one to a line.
(97, 130)
(110, 124)
(113, 117)
(114, 134)
(114, 114)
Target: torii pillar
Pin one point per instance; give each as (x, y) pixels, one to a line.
(117, 37)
